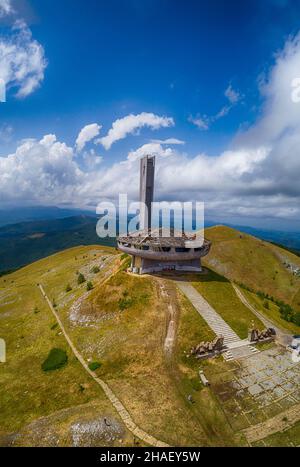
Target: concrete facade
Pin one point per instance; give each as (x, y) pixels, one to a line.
(154, 250)
(147, 168)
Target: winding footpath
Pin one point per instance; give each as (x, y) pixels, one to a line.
(123, 413)
(282, 337)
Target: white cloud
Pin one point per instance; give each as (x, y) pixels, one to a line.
(200, 122)
(22, 60)
(39, 171)
(6, 132)
(86, 134)
(232, 95)
(203, 122)
(155, 149)
(131, 123)
(5, 8)
(168, 141)
(258, 176)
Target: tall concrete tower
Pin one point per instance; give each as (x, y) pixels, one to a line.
(147, 169)
(149, 250)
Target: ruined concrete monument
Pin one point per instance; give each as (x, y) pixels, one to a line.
(208, 349)
(157, 249)
(254, 335)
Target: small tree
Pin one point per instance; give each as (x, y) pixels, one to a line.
(95, 269)
(94, 366)
(80, 278)
(89, 286)
(68, 288)
(266, 304)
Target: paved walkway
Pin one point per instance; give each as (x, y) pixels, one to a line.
(125, 416)
(237, 347)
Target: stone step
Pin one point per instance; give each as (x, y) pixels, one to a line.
(240, 352)
(238, 348)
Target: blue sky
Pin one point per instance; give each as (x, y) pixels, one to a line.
(108, 59)
(198, 63)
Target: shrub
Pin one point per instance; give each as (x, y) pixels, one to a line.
(296, 318)
(80, 278)
(125, 302)
(266, 304)
(286, 312)
(93, 366)
(54, 326)
(95, 270)
(68, 288)
(89, 286)
(56, 359)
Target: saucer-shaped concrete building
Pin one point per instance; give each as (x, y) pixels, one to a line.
(151, 250)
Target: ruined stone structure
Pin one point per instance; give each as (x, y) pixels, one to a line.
(207, 349)
(153, 251)
(254, 335)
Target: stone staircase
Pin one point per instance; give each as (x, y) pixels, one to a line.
(237, 348)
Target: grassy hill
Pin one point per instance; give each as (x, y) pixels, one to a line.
(36, 406)
(259, 265)
(119, 326)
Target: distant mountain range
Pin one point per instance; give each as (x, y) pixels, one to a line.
(33, 213)
(26, 242)
(37, 232)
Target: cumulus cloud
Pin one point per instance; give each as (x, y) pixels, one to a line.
(86, 134)
(39, 171)
(22, 60)
(257, 176)
(132, 123)
(155, 149)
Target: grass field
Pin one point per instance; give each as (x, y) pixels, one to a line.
(220, 294)
(128, 320)
(271, 313)
(27, 393)
(253, 262)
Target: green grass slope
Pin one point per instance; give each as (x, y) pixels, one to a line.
(29, 395)
(119, 326)
(254, 262)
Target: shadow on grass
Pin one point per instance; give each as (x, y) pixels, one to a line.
(207, 275)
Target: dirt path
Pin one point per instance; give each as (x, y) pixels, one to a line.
(171, 326)
(280, 422)
(282, 337)
(124, 414)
